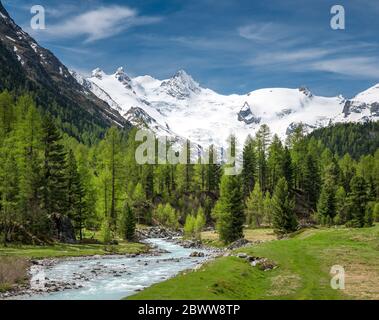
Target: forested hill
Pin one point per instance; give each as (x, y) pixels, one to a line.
(356, 139)
(27, 67)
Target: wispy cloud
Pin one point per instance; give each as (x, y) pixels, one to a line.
(264, 32)
(289, 56)
(361, 67)
(100, 23)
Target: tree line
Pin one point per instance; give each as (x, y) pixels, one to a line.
(49, 180)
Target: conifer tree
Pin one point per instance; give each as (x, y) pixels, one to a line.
(248, 167)
(341, 206)
(358, 199)
(53, 180)
(229, 210)
(275, 162)
(287, 168)
(213, 172)
(75, 193)
(284, 218)
(262, 139)
(255, 207)
(326, 206)
(312, 180)
(129, 223)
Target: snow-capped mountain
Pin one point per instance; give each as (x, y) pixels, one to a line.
(180, 107)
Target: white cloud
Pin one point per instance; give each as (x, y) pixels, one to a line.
(289, 57)
(264, 32)
(98, 24)
(361, 67)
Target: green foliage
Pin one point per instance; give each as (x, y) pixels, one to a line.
(326, 206)
(358, 200)
(167, 216)
(128, 223)
(284, 218)
(45, 173)
(229, 209)
(255, 207)
(189, 226)
(249, 167)
(354, 139)
(376, 212)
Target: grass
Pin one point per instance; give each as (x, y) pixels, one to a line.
(211, 237)
(70, 250)
(14, 259)
(304, 262)
(13, 271)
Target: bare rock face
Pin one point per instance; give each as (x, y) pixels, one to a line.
(247, 116)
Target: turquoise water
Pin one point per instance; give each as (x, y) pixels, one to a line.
(115, 277)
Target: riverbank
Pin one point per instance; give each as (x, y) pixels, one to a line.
(16, 260)
(110, 277)
(302, 262)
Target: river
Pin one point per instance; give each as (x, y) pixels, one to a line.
(112, 278)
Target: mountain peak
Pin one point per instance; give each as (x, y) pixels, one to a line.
(122, 76)
(98, 73)
(183, 76)
(181, 85)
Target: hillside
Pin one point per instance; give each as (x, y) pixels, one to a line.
(303, 261)
(27, 67)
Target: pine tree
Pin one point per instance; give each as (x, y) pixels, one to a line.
(28, 135)
(75, 193)
(287, 168)
(348, 170)
(326, 206)
(7, 116)
(262, 139)
(129, 223)
(229, 210)
(284, 218)
(213, 172)
(275, 161)
(53, 180)
(9, 191)
(358, 200)
(298, 146)
(249, 167)
(341, 212)
(111, 162)
(312, 180)
(255, 207)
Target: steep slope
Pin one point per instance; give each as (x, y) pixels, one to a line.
(179, 106)
(26, 66)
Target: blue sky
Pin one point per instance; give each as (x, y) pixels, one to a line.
(229, 46)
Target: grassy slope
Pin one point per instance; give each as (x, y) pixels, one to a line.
(70, 250)
(304, 263)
